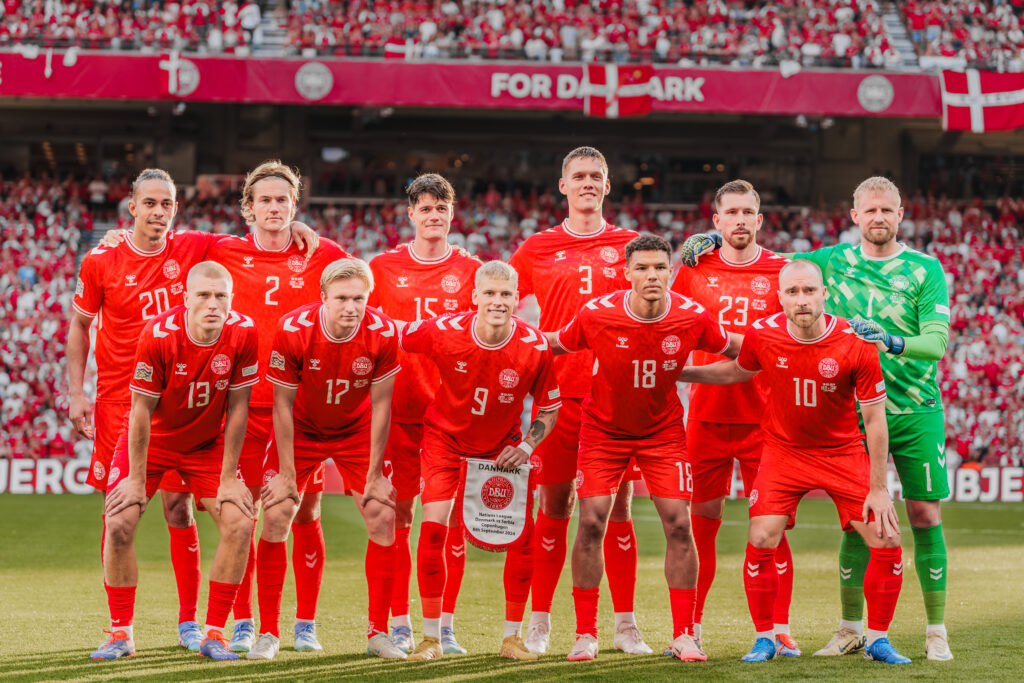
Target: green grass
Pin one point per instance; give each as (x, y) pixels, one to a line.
(53, 607)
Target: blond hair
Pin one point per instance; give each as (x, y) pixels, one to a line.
(346, 269)
(269, 169)
(496, 270)
(209, 269)
(585, 153)
(876, 184)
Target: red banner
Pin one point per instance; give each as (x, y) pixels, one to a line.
(982, 100)
(507, 85)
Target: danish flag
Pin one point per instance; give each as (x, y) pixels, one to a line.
(981, 101)
(612, 91)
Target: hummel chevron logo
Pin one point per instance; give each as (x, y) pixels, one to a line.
(845, 572)
(547, 543)
(303, 320)
(942, 454)
(243, 320)
(458, 550)
(311, 560)
(782, 567)
(377, 324)
(194, 548)
(168, 324)
(753, 569)
(454, 322)
(625, 542)
(935, 574)
(530, 337)
(897, 569)
(771, 322)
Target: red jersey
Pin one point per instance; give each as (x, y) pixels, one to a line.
(735, 294)
(813, 386)
(192, 379)
(268, 284)
(409, 288)
(333, 376)
(637, 361)
(126, 288)
(566, 269)
(479, 405)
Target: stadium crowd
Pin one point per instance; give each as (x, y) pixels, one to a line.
(984, 34)
(981, 249)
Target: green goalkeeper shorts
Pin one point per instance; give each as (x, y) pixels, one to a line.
(918, 445)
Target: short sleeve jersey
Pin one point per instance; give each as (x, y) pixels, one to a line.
(637, 361)
(566, 269)
(735, 294)
(410, 288)
(479, 405)
(332, 376)
(125, 288)
(192, 379)
(900, 292)
(268, 284)
(813, 386)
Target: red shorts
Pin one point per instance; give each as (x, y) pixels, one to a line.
(402, 458)
(661, 459)
(441, 471)
(199, 471)
(784, 479)
(712, 446)
(351, 457)
(110, 420)
(254, 450)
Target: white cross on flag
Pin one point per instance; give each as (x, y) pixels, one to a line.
(981, 101)
(612, 91)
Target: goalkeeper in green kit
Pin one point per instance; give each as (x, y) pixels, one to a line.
(897, 298)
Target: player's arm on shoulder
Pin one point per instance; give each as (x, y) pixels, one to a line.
(878, 500)
(305, 237)
(722, 372)
(378, 487)
(132, 489)
(697, 245)
(569, 339)
(732, 350)
(79, 409)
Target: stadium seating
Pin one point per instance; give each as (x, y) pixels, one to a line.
(984, 35)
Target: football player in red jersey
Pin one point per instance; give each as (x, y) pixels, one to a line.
(738, 284)
(193, 374)
(416, 281)
(489, 361)
(641, 337)
(815, 372)
(565, 267)
(333, 366)
(272, 276)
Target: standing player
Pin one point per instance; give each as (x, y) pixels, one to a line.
(815, 372)
(193, 373)
(902, 295)
(641, 338)
(565, 267)
(489, 361)
(416, 281)
(272, 276)
(737, 284)
(333, 366)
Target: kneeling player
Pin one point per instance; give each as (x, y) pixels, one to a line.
(641, 338)
(488, 362)
(333, 366)
(816, 371)
(194, 370)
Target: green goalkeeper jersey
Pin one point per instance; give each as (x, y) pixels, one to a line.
(900, 292)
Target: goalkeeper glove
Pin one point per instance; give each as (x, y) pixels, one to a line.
(870, 331)
(696, 246)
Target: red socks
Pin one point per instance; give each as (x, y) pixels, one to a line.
(455, 566)
(121, 601)
(243, 599)
(185, 560)
(403, 573)
(761, 581)
(550, 541)
(784, 565)
(585, 601)
(682, 601)
(518, 573)
(705, 534)
(222, 597)
(430, 567)
(271, 566)
(380, 578)
(308, 552)
(882, 583)
(620, 563)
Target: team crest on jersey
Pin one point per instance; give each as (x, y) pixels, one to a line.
(99, 471)
(899, 283)
(296, 263)
(220, 364)
(450, 284)
(221, 384)
(761, 285)
(268, 475)
(177, 288)
(115, 472)
(80, 288)
(609, 254)
(753, 498)
(671, 345)
(828, 367)
(144, 372)
(276, 360)
(579, 478)
(496, 493)
(362, 365)
(180, 369)
(129, 281)
(403, 281)
(508, 378)
(171, 269)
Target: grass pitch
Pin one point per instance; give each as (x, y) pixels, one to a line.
(54, 606)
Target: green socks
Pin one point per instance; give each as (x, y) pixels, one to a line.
(930, 561)
(853, 562)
